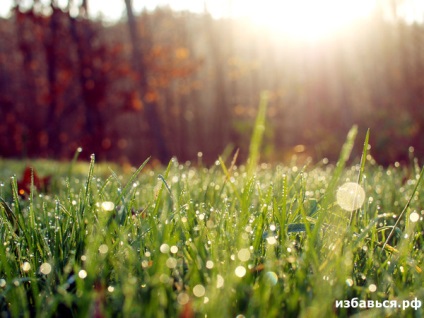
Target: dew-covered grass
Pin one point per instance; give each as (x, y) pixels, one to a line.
(229, 240)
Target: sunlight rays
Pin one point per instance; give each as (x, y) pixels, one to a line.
(308, 19)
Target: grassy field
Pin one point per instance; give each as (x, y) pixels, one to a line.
(219, 241)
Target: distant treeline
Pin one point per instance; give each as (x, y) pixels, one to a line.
(183, 83)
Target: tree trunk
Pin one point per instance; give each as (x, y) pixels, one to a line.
(219, 58)
(51, 61)
(150, 104)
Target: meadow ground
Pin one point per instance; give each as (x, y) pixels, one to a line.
(222, 241)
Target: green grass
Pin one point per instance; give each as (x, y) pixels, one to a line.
(224, 241)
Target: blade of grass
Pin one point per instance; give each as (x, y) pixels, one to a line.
(227, 177)
(11, 217)
(73, 161)
(18, 213)
(166, 184)
(258, 131)
(341, 163)
(361, 170)
(364, 156)
(84, 202)
(159, 195)
(134, 176)
(420, 178)
(123, 194)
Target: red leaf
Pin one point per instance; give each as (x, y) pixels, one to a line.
(187, 311)
(40, 183)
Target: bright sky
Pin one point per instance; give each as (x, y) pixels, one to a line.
(298, 18)
(112, 9)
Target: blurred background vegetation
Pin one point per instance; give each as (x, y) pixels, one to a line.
(163, 82)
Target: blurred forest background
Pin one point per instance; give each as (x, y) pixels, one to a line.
(166, 83)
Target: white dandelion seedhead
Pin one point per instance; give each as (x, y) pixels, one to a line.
(350, 196)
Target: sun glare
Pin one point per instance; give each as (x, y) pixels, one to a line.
(300, 19)
(308, 19)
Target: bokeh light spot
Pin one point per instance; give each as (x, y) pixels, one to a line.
(107, 206)
(240, 271)
(271, 278)
(350, 196)
(271, 240)
(199, 290)
(171, 262)
(45, 268)
(26, 266)
(183, 298)
(103, 249)
(164, 248)
(372, 288)
(219, 281)
(82, 274)
(414, 217)
(243, 255)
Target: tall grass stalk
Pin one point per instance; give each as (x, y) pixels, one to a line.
(257, 135)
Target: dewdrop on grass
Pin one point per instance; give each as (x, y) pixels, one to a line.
(350, 196)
